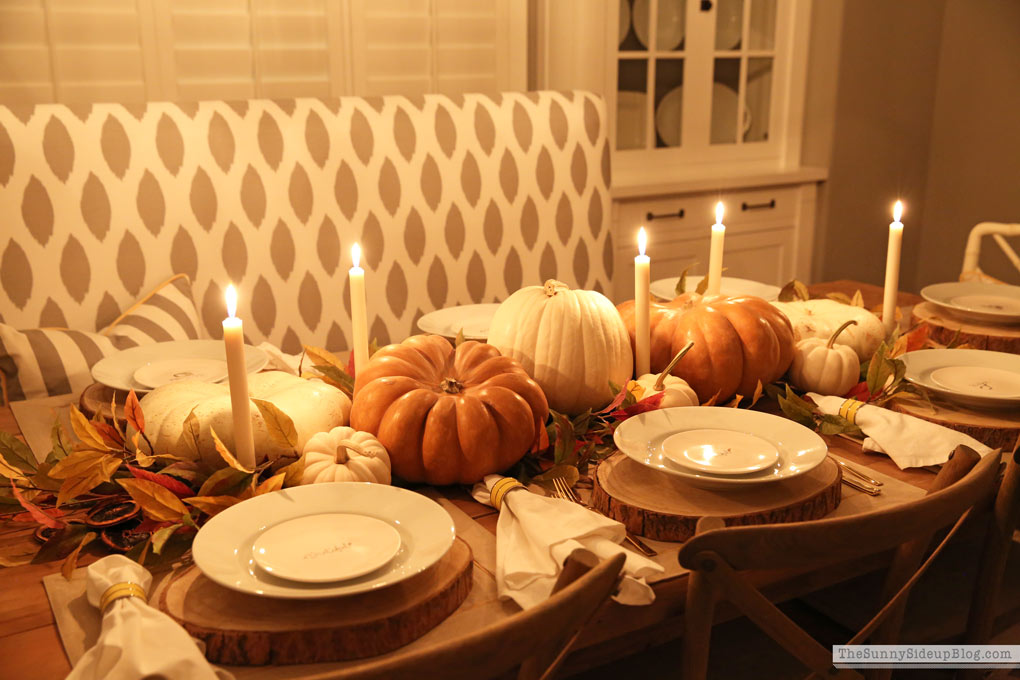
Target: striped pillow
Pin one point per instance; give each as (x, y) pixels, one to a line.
(42, 362)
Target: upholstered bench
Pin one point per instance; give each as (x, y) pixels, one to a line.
(453, 200)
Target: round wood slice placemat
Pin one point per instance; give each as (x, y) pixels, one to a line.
(944, 328)
(96, 398)
(997, 429)
(660, 506)
(245, 630)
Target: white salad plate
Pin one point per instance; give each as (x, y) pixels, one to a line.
(157, 373)
(973, 377)
(669, 113)
(223, 548)
(118, 370)
(976, 300)
(643, 439)
(624, 26)
(326, 548)
(720, 452)
(664, 288)
(474, 320)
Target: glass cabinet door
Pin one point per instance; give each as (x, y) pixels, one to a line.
(745, 33)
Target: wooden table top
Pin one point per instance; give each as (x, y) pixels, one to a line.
(30, 645)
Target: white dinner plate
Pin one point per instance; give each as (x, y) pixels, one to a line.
(118, 370)
(729, 25)
(976, 300)
(974, 377)
(157, 373)
(669, 113)
(720, 452)
(474, 320)
(624, 21)
(326, 548)
(665, 288)
(642, 437)
(223, 547)
(671, 23)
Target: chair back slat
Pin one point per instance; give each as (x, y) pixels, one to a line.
(798, 544)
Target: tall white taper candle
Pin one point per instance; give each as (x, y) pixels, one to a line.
(359, 316)
(642, 330)
(237, 375)
(892, 269)
(715, 254)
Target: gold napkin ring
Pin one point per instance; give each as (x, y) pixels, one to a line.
(121, 590)
(499, 490)
(849, 408)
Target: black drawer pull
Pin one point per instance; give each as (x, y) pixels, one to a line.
(758, 206)
(666, 216)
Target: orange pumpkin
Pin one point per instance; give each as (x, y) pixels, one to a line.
(737, 342)
(448, 415)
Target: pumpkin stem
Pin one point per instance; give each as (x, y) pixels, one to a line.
(839, 330)
(659, 385)
(341, 456)
(552, 286)
(451, 385)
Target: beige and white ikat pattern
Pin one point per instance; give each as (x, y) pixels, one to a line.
(454, 200)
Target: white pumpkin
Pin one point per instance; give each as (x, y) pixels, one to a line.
(676, 390)
(345, 455)
(819, 366)
(820, 319)
(572, 342)
(312, 405)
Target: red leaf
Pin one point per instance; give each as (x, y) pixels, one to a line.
(37, 513)
(350, 365)
(647, 404)
(27, 516)
(617, 400)
(133, 412)
(172, 484)
(109, 434)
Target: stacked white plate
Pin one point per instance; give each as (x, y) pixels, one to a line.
(976, 301)
(323, 540)
(972, 377)
(473, 320)
(720, 448)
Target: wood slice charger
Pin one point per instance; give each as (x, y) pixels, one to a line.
(96, 398)
(998, 429)
(944, 328)
(245, 630)
(666, 508)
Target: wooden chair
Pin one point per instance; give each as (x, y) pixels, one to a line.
(716, 555)
(535, 641)
(971, 270)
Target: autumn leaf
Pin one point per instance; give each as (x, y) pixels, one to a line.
(116, 421)
(186, 470)
(758, 391)
(60, 544)
(16, 453)
(10, 472)
(190, 433)
(459, 340)
(161, 536)
(173, 485)
(156, 501)
(565, 472)
(37, 513)
(109, 434)
(735, 402)
(212, 505)
(274, 483)
(713, 400)
(79, 463)
(89, 478)
(61, 447)
(681, 283)
(133, 412)
(331, 375)
(279, 425)
(839, 297)
(794, 290)
(225, 453)
(858, 299)
(294, 473)
(71, 561)
(42, 478)
(86, 431)
(222, 481)
(320, 356)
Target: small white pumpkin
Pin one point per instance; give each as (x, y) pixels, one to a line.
(819, 318)
(821, 367)
(572, 342)
(345, 455)
(677, 391)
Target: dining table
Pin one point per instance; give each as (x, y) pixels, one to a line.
(32, 647)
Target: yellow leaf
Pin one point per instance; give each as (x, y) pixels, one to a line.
(274, 483)
(190, 433)
(71, 561)
(221, 480)
(86, 431)
(43, 480)
(713, 400)
(212, 505)
(319, 355)
(279, 425)
(162, 535)
(80, 463)
(736, 401)
(294, 473)
(157, 502)
(459, 340)
(9, 472)
(857, 300)
(225, 453)
(758, 391)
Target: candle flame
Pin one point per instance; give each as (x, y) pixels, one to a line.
(897, 211)
(719, 212)
(231, 296)
(356, 255)
(642, 241)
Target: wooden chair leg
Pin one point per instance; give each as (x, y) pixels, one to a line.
(698, 615)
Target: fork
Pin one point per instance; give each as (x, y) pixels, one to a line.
(562, 490)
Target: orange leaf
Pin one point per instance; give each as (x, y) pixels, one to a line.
(133, 412)
(157, 502)
(212, 505)
(109, 434)
(37, 513)
(71, 561)
(274, 483)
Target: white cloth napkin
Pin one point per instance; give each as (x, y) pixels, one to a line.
(535, 535)
(909, 441)
(137, 641)
(280, 360)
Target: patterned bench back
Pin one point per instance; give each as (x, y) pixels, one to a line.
(454, 200)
